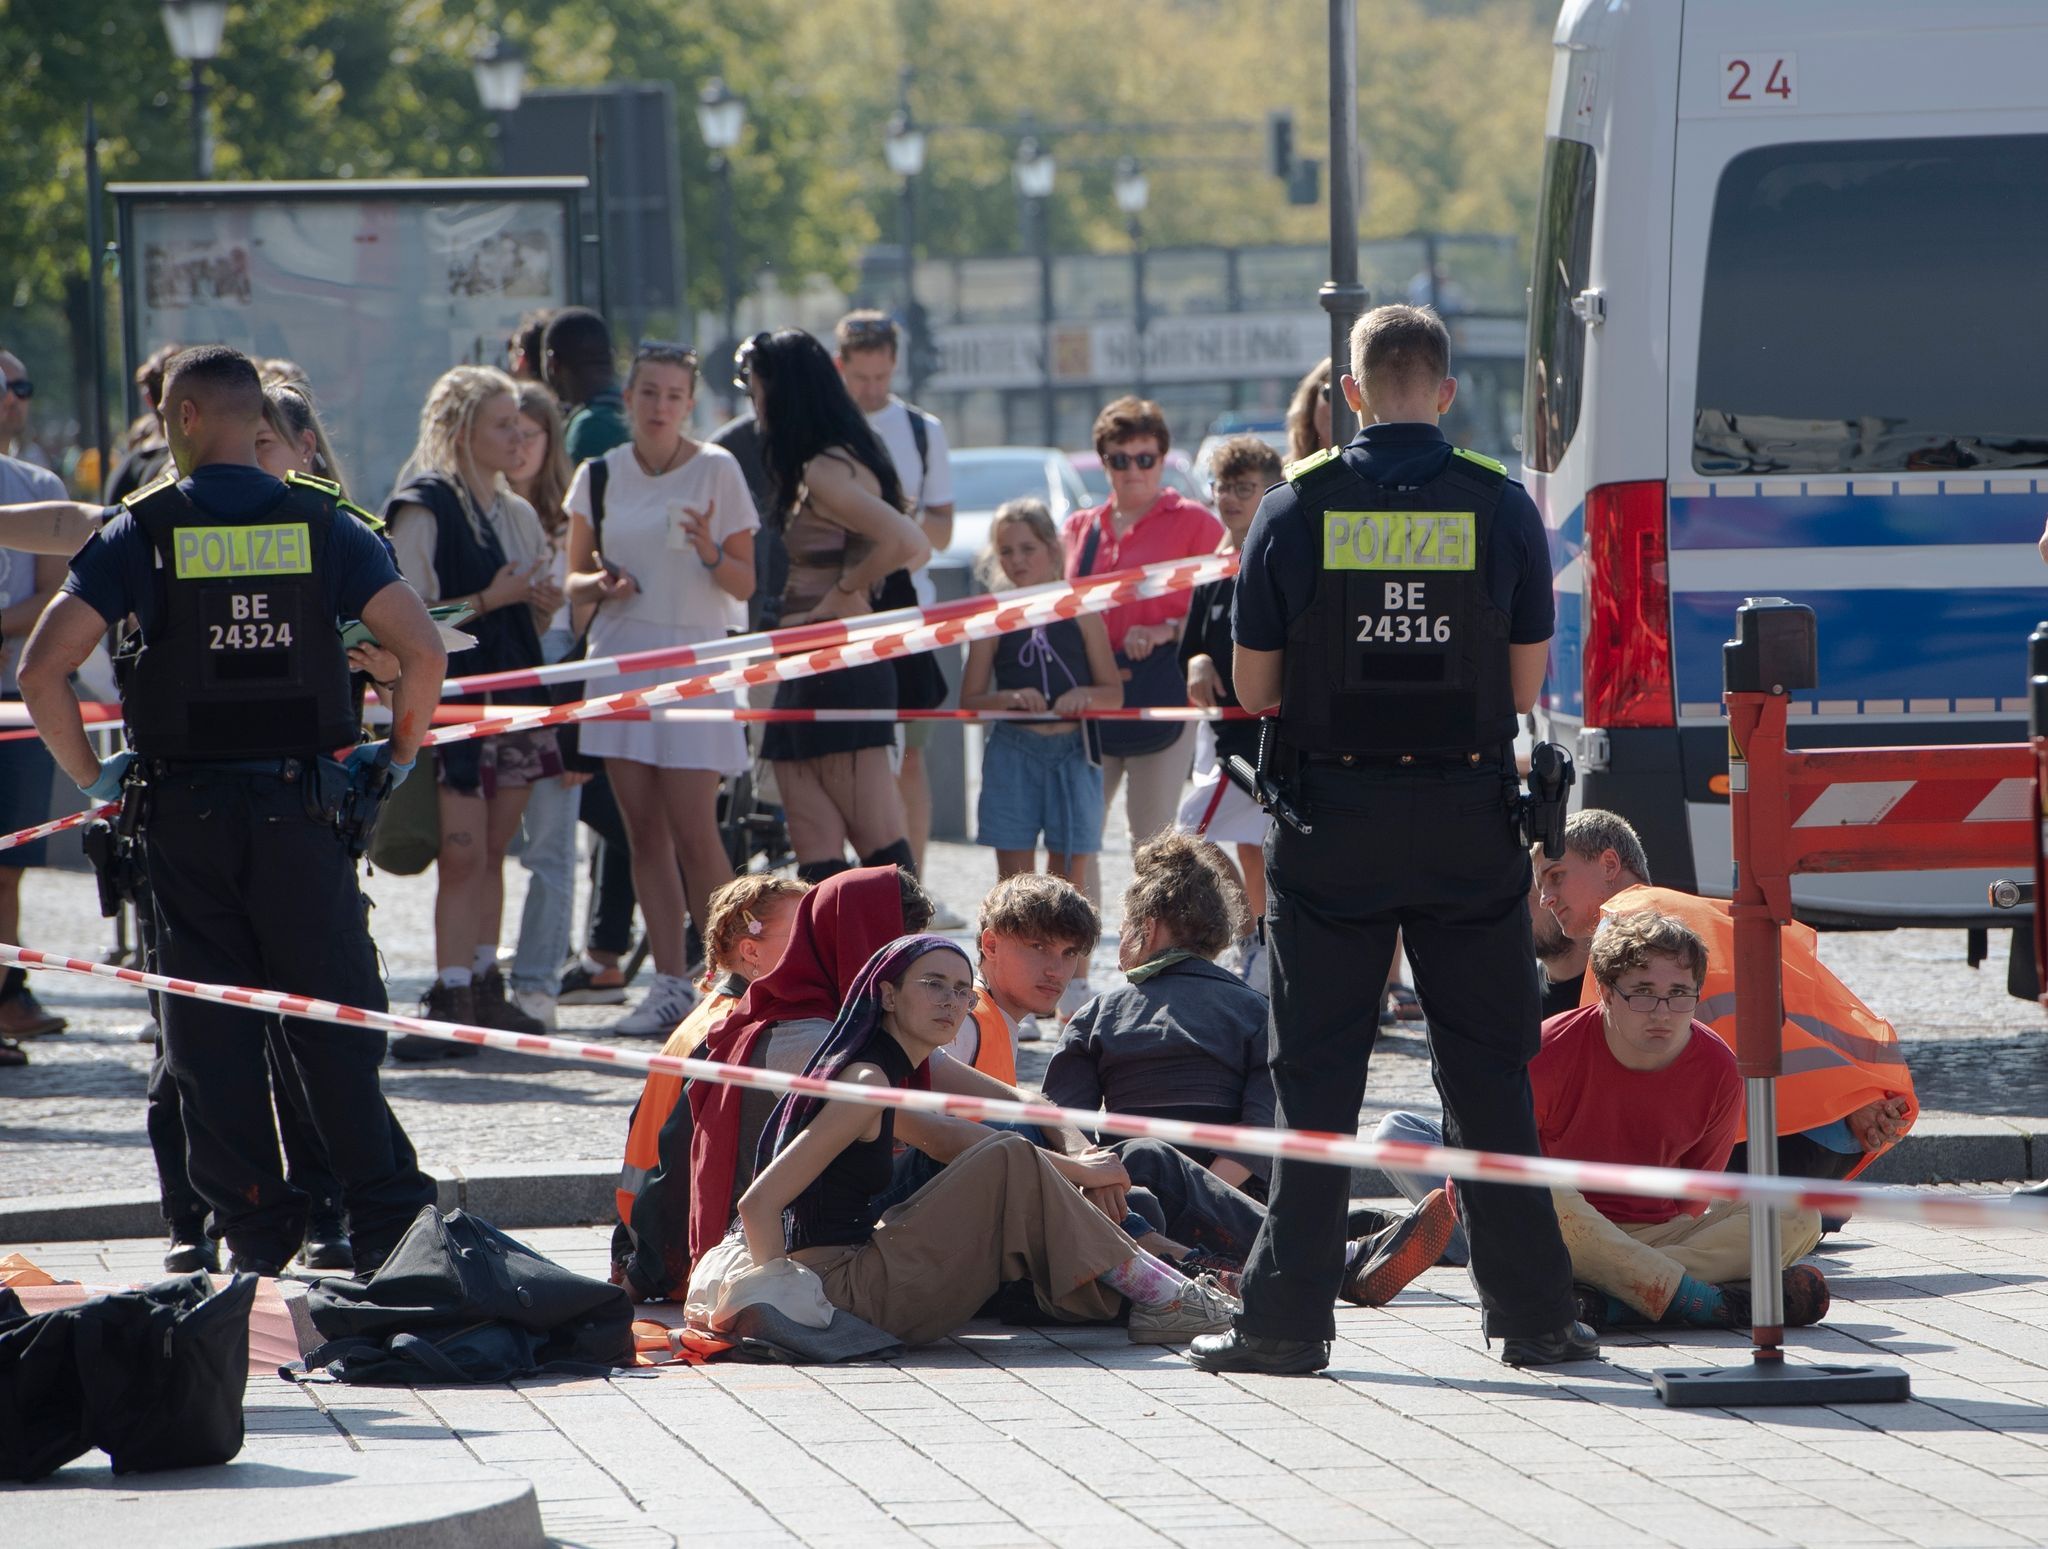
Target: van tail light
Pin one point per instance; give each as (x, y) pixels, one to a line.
(1628, 607)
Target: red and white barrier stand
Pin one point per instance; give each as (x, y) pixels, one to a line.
(1823, 810)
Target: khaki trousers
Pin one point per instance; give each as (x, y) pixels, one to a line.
(1642, 1264)
(1151, 783)
(998, 1212)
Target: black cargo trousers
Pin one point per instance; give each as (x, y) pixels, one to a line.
(1432, 852)
(251, 885)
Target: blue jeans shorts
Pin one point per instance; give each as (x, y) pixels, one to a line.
(1033, 785)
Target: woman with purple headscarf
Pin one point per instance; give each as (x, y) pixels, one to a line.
(999, 1211)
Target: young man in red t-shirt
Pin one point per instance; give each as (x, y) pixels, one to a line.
(1632, 1078)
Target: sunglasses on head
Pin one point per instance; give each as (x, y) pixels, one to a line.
(869, 328)
(22, 387)
(743, 359)
(1121, 461)
(662, 352)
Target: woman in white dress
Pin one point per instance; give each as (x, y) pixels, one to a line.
(666, 554)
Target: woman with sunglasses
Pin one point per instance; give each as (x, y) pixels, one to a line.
(673, 565)
(1308, 413)
(1141, 523)
(840, 514)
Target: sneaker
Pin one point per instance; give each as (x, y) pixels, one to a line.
(1381, 1266)
(441, 1003)
(1227, 1272)
(1251, 964)
(148, 1032)
(1028, 1030)
(666, 1004)
(1805, 1294)
(493, 1010)
(590, 983)
(944, 919)
(538, 1004)
(23, 1016)
(1203, 1308)
(1076, 995)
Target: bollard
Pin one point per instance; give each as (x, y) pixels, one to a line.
(1774, 653)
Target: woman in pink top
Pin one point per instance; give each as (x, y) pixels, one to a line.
(1141, 524)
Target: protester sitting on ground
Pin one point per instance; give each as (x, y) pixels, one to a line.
(1633, 1078)
(1039, 777)
(1184, 1039)
(999, 1212)
(751, 920)
(1845, 1097)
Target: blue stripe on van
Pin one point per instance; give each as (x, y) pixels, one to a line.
(1834, 521)
(1564, 685)
(1881, 644)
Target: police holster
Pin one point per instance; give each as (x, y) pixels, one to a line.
(1542, 808)
(114, 845)
(355, 812)
(1271, 782)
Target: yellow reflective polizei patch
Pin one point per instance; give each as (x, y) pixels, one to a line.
(1399, 540)
(224, 553)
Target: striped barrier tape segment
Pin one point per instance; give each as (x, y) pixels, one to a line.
(1837, 1199)
(795, 637)
(1060, 603)
(58, 825)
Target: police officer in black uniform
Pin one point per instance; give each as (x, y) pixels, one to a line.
(237, 705)
(1394, 602)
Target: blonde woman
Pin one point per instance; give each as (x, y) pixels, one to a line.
(546, 845)
(462, 536)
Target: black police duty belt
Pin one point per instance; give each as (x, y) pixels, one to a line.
(1483, 758)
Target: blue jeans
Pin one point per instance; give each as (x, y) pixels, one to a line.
(1420, 1130)
(546, 847)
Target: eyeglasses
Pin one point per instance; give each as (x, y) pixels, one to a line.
(1681, 1005)
(942, 992)
(1239, 489)
(22, 387)
(743, 359)
(1121, 461)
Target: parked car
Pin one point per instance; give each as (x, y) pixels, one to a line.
(1180, 475)
(986, 476)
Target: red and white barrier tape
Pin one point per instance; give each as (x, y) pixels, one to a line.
(790, 639)
(58, 825)
(1840, 1199)
(1059, 603)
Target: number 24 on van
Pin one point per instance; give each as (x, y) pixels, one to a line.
(1759, 80)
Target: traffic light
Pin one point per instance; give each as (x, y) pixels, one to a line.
(1280, 143)
(1305, 181)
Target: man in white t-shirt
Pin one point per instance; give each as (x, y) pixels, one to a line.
(867, 342)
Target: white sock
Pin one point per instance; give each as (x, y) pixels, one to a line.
(455, 978)
(485, 960)
(1147, 1281)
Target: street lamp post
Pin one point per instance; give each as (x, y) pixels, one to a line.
(1035, 171)
(195, 28)
(500, 71)
(904, 148)
(721, 119)
(1132, 194)
(1342, 296)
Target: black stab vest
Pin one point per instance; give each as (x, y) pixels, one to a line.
(1403, 650)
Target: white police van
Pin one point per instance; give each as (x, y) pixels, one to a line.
(1789, 334)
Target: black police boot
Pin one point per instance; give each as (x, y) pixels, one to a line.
(190, 1252)
(1238, 1351)
(237, 1265)
(1573, 1342)
(326, 1247)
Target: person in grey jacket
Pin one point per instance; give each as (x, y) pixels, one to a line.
(1184, 1039)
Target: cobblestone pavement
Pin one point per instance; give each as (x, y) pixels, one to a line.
(73, 1120)
(1074, 1437)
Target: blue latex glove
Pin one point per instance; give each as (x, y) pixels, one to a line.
(369, 759)
(106, 785)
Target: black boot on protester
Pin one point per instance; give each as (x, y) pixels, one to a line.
(1804, 1291)
(1238, 1351)
(1573, 1342)
(441, 1003)
(495, 1010)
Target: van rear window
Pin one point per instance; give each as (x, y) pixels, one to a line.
(1557, 338)
(1876, 306)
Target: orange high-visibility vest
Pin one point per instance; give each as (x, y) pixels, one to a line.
(1839, 1054)
(994, 1055)
(658, 1099)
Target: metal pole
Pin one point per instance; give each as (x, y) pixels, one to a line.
(96, 289)
(729, 269)
(1142, 318)
(913, 315)
(202, 146)
(1048, 408)
(1341, 295)
(599, 182)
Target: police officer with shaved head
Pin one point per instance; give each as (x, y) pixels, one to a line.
(1394, 605)
(251, 792)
